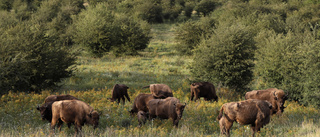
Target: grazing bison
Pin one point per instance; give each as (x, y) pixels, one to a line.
(142, 117)
(120, 91)
(75, 112)
(53, 98)
(45, 109)
(203, 89)
(249, 112)
(166, 108)
(160, 90)
(140, 103)
(275, 96)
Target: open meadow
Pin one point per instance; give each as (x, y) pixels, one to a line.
(95, 77)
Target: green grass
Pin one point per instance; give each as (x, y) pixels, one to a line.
(95, 77)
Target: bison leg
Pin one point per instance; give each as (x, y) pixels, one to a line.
(123, 100)
(127, 96)
(60, 123)
(192, 95)
(176, 122)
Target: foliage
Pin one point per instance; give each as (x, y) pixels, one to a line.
(100, 30)
(289, 62)
(226, 57)
(190, 33)
(30, 60)
(206, 6)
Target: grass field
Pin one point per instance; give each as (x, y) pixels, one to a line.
(95, 77)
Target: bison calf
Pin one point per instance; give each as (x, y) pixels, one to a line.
(160, 91)
(140, 103)
(249, 112)
(120, 91)
(203, 89)
(75, 112)
(166, 108)
(275, 96)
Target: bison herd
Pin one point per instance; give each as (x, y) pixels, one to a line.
(255, 111)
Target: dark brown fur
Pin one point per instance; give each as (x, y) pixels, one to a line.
(53, 98)
(120, 91)
(169, 108)
(275, 96)
(140, 103)
(203, 89)
(160, 91)
(75, 112)
(249, 112)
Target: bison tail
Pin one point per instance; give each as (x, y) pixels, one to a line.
(221, 112)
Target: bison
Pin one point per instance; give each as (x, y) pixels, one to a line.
(45, 109)
(73, 112)
(166, 108)
(203, 89)
(142, 117)
(140, 103)
(249, 112)
(160, 91)
(275, 96)
(120, 91)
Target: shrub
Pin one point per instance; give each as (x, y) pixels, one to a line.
(206, 6)
(289, 62)
(227, 57)
(30, 60)
(101, 31)
(149, 11)
(189, 34)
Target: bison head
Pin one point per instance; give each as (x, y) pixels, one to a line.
(179, 109)
(281, 98)
(94, 118)
(45, 111)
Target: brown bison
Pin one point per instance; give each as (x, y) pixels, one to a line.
(142, 117)
(53, 98)
(45, 109)
(166, 108)
(275, 96)
(203, 89)
(120, 91)
(75, 112)
(249, 112)
(160, 90)
(140, 103)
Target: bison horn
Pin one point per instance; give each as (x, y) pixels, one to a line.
(185, 103)
(38, 107)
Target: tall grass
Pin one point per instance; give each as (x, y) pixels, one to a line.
(95, 78)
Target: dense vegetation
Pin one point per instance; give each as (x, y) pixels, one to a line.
(84, 47)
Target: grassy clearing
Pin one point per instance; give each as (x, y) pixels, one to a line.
(95, 78)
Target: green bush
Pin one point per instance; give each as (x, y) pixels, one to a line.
(149, 11)
(189, 34)
(289, 62)
(206, 6)
(226, 57)
(101, 31)
(30, 60)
